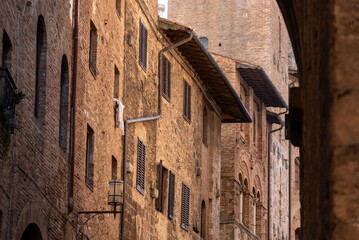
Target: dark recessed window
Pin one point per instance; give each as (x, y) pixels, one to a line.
(118, 7)
(141, 166)
(64, 104)
(166, 78)
(93, 48)
(162, 188)
(185, 207)
(143, 46)
(205, 127)
(41, 52)
(6, 51)
(90, 141)
(187, 102)
(116, 83)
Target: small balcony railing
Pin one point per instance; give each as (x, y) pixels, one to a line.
(7, 98)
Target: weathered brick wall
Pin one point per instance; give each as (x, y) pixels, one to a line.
(41, 178)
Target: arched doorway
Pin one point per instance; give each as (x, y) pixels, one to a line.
(32, 232)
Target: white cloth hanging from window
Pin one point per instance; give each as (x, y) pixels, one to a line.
(119, 107)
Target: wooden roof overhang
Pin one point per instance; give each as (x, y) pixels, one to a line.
(208, 70)
(262, 86)
(273, 117)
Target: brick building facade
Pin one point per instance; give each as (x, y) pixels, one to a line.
(248, 36)
(68, 142)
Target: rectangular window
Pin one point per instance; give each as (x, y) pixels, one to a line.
(89, 157)
(93, 48)
(205, 127)
(187, 102)
(141, 160)
(185, 207)
(162, 187)
(171, 194)
(114, 168)
(143, 46)
(297, 173)
(166, 78)
(116, 84)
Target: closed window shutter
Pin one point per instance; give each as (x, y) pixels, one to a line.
(171, 199)
(143, 46)
(187, 102)
(160, 176)
(185, 207)
(166, 81)
(141, 160)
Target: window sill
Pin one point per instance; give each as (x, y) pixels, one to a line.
(166, 97)
(93, 72)
(187, 119)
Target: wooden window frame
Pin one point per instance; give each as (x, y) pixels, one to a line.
(93, 49)
(185, 207)
(166, 79)
(141, 167)
(90, 147)
(143, 36)
(187, 101)
(171, 194)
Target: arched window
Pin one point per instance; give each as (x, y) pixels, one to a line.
(246, 203)
(203, 220)
(41, 51)
(241, 198)
(64, 103)
(205, 127)
(6, 51)
(254, 209)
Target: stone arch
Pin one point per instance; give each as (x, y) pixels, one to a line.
(257, 184)
(245, 172)
(31, 214)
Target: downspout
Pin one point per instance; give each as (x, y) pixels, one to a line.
(144, 119)
(73, 107)
(269, 188)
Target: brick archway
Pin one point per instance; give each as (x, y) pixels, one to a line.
(31, 214)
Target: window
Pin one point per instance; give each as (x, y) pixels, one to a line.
(143, 46)
(116, 84)
(113, 168)
(89, 157)
(187, 102)
(162, 187)
(258, 215)
(171, 193)
(205, 127)
(0, 224)
(166, 78)
(118, 7)
(241, 198)
(246, 203)
(141, 166)
(185, 207)
(203, 220)
(204, 42)
(6, 51)
(41, 51)
(93, 48)
(64, 103)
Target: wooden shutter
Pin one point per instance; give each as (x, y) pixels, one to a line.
(171, 199)
(185, 207)
(187, 102)
(166, 81)
(143, 46)
(141, 160)
(159, 186)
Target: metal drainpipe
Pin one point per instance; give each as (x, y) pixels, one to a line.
(144, 119)
(73, 107)
(269, 188)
